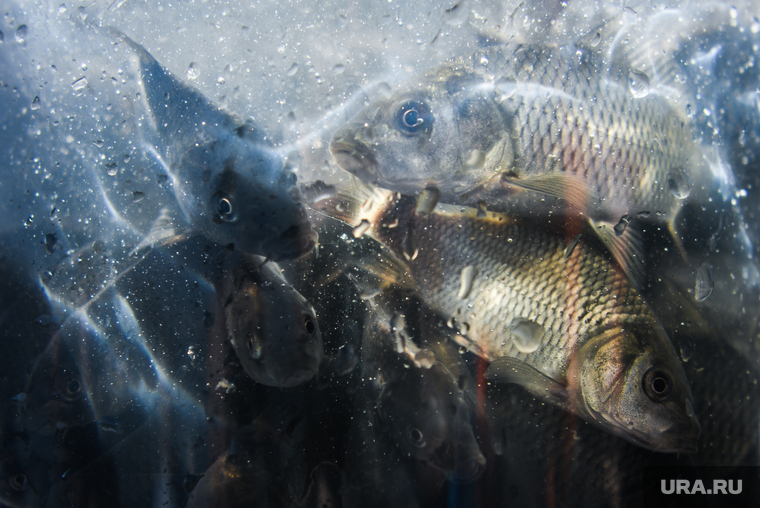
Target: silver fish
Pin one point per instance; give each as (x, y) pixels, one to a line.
(569, 328)
(272, 327)
(419, 399)
(528, 129)
(229, 181)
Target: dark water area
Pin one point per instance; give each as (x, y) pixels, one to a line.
(146, 363)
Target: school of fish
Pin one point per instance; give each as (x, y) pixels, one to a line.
(522, 284)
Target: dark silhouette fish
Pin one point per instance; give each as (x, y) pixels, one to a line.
(230, 182)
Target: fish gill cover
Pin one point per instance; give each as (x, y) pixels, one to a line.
(515, 251)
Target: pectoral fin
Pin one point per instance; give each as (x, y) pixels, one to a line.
(511, 370)
(626, 247)
(572, 189)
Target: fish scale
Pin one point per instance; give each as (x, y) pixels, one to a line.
(569, 327)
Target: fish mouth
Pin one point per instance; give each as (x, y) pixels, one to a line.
(295, 242)
(356, 158)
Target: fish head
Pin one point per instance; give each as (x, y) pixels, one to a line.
(275, 333)
(633, 385)
(443, 131)
(242, 194)
(430, 421)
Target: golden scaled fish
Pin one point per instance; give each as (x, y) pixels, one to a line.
(553, 315)
(531, 130)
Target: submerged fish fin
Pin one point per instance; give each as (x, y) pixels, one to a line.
(164, 231)
(386, 269)
(511, 370)
(626, 247)
(354, 205)
(572, 189)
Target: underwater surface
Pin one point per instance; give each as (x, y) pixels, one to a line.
(344, 254)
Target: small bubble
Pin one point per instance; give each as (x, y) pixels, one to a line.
(36, 103)
(466, 279)
(293, 69)
(112, 169)
(685, 347)
(193, 71)
(98, 143)
(79, 84)
(137, 196)
(220, 80)
(526, 335)
(126, 157)
(427, 200)
(620, 226)
(638, 83)
(596, 39)
(339, 69)
(21, 33)
(704, 284)
(678, 183)
(477, 159)
(62, 8)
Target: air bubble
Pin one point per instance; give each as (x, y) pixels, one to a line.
(21, 33)
(526, 335)
(678, 183)
(293, 69)
(36, 103)
(79, 84)
(638, 83)
(339, 69)
(193, 71)
(466, 279)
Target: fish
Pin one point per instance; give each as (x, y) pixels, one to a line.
(533, 130)
(566, 324)
(418, 398)
(272, 328)
(230, 182)
(264, 465)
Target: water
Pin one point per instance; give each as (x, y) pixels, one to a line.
(120, 386)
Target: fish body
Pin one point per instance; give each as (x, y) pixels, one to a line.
(230, 182)
(527, 129)
(419, 399)
(272, 327)
(564, 323)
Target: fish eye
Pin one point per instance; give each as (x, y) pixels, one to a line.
(73, 387)
(224, 209)
(413, 117)
(416, 437)
(657, 385)
(309, 324)
(19, 482)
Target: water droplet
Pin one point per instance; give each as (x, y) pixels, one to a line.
(62, 8)
(466, 279)
(50, 240)
(362, 228)
(36, 103)
(678, 183)
(704, 285)
(339, 69)
(112, 169)
(2, 36)
(596, 39)
(427, 200)
(620, 226)
(685, 347)
(293, 69)
(571, 247)
(424, 358)
(384, 88)
(79, 83)
(482, 209)
(193, 71)
(477, 159)
(451, 323)
(638, 83)
(643, 215)
(137, 196)
(386, 19)
(98, 143)
(21, 32)
(220, 80)
(126, 157)
(526, 335)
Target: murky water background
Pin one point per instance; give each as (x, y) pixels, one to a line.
(118, 385)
